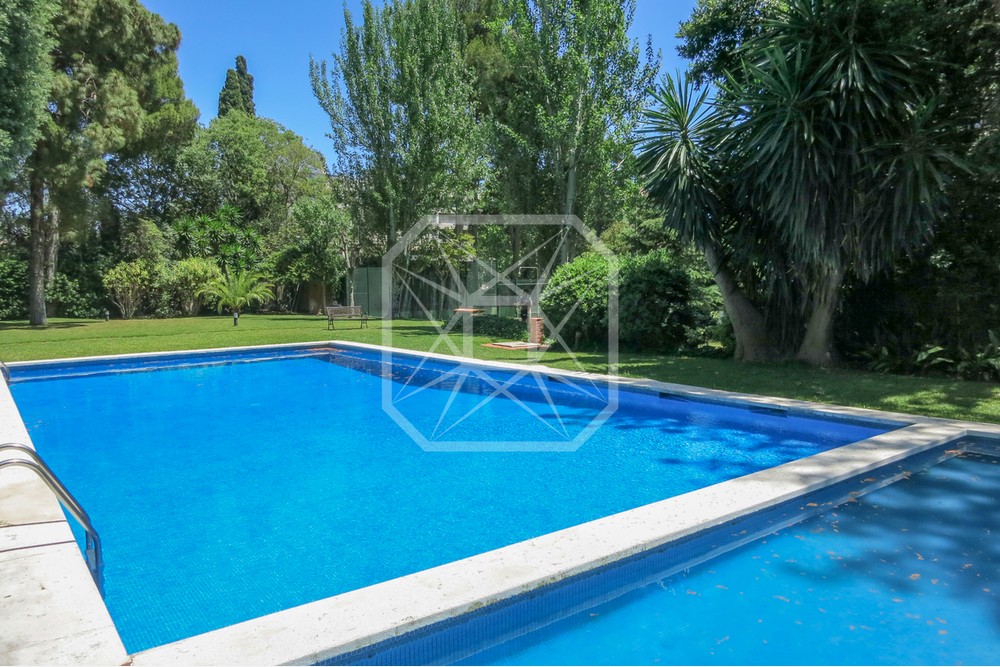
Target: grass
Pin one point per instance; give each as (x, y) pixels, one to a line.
(936, 397)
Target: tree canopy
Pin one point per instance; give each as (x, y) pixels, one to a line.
(24, 76)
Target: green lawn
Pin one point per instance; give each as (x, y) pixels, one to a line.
(977, 401)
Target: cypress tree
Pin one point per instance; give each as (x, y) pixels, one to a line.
(237, 92)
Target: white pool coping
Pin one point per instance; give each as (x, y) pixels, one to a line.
(51, 610)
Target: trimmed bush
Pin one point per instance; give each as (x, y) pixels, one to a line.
(656, 302)
(495, 326)
(579, 290)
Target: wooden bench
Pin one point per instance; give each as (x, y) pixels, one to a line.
(334, 313)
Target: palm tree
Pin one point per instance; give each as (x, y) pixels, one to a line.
(833, 117)
(236, 290)
(687, 176)
(822, 150)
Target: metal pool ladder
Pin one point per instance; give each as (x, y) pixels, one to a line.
(92, 547)
(5, 371)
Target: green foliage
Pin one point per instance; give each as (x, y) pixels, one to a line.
(979, 362)
(655, 302)
(567, 107)
(143, 240)
(399, 98)
(712, 36)
(683, 167)
(838, 131)
(948, 292)
(237, 290)
(70, 298)
(822, 159)
(24, 76)
(185, 281)
(108, 65)
(237, 92)
(497, 326)
(222, 237)
(577, 293)
(129, 285)
(254, 165)
(13, 288)
(314, 244)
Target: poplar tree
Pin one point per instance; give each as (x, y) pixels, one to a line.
(400, 103)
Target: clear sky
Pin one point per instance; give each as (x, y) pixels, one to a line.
(277, 37)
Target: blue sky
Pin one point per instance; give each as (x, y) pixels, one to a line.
(278, 37)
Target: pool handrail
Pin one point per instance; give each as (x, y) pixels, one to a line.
(93, 554)
(4, 371)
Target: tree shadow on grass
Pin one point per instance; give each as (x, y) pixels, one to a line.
(936, 397)
(24, 326)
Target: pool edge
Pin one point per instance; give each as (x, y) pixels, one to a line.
(50, 608)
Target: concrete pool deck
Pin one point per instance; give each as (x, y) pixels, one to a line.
(52, 612)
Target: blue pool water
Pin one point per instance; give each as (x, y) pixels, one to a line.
(909, 574)
(226, 491)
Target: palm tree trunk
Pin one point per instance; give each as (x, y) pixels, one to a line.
(749, 328)
(817, 345)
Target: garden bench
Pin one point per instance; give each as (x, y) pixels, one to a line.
(334, 313)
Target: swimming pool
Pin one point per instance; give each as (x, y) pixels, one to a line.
(192, 535)
(231, 485)
(908, 574)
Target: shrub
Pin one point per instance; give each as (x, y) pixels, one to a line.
(13, 289)
(579, 290)
(979, 362)
(70, 299)
(128, 285)
(184, 282)
(656, 302)
(496, 326)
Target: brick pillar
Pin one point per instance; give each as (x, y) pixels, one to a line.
(536, 330)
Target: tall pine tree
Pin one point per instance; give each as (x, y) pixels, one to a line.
(100, 102)
(237, 92)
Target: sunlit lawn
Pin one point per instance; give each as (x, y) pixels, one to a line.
(937, 397)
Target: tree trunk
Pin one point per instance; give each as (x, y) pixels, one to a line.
(515, 244)
(752, 343)
(51, 256)
(36, 290)
(568, 204)
(817, 345)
